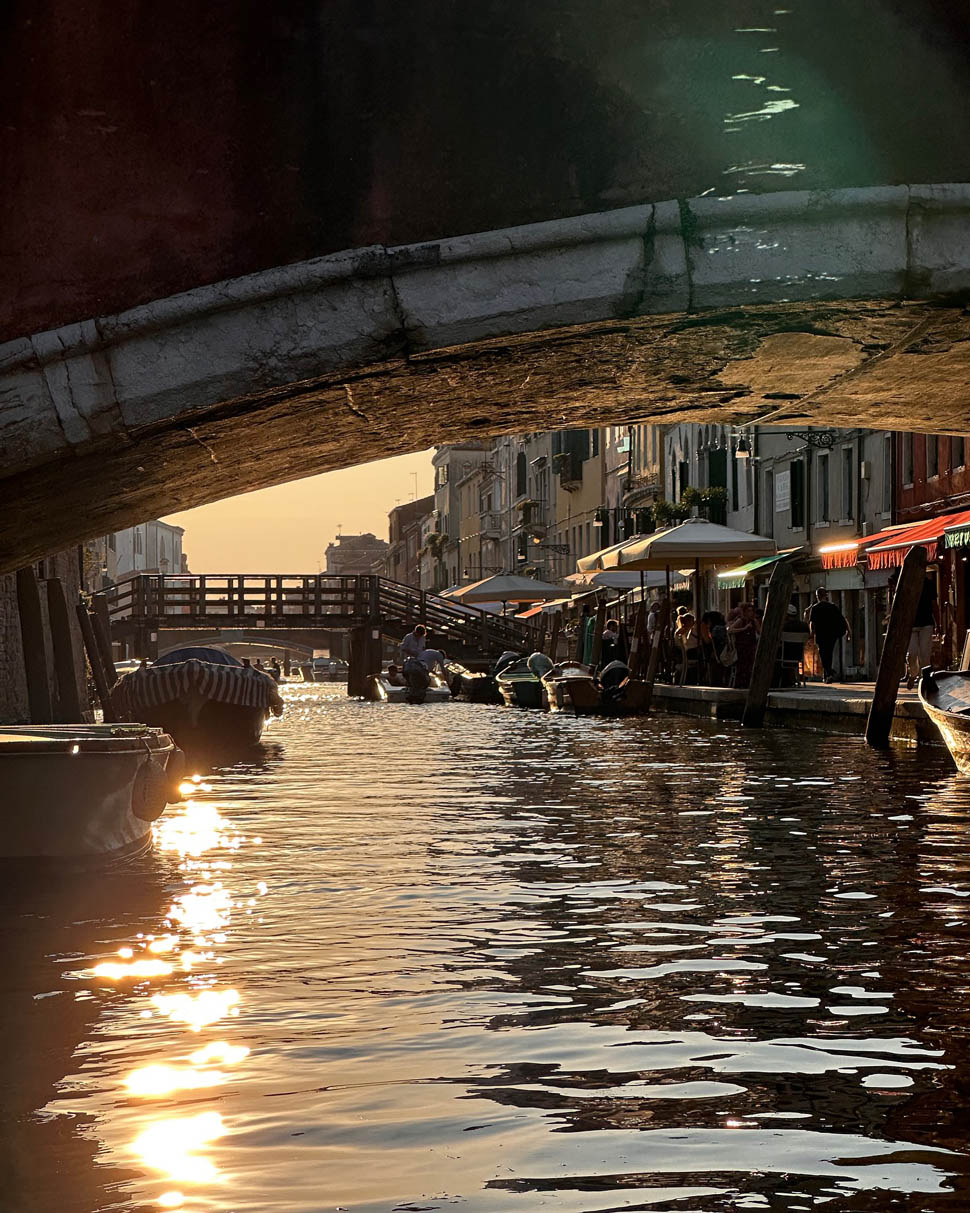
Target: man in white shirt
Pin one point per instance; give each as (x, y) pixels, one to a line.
(414, 643)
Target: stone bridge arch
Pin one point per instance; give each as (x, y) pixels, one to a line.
(245, 258)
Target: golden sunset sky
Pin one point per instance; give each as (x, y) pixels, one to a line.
(286, 529)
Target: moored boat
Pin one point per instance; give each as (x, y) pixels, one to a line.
(520, 681)
(945, 696)
(382, 689)
(205, 698)
(611, 692)
(476, 686)
(83, 791)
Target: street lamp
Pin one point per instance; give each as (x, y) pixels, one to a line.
(820, 438)
(742, 450)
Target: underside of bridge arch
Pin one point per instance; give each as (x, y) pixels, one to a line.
(844, 308)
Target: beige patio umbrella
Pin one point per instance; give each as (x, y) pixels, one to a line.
(510, 587)
(694, 541)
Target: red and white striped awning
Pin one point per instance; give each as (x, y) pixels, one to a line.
(893, 551)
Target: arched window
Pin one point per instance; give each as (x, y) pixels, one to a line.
(521, 475)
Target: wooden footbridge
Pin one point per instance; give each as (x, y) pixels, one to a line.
(304, 609)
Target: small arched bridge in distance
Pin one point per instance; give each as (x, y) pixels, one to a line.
(303, 609)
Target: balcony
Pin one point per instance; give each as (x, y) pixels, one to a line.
(569, 468)
(491, 526)
(531, 512)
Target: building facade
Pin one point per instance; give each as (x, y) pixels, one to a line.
(402, 560)
(349, 554)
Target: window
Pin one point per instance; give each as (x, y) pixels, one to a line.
(823, 488)
(138, 541)
(589, 538)
(848, 482)
(906, 458)
(958, 453)
(595, 442)
(768, 514)
(797, 469)
(734, 480)
(521, 474)
(684, 476)
(932, 456)
(887, 474)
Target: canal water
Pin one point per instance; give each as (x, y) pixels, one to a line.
(459, 956)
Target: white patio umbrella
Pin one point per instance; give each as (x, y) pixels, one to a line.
(510, 587)
(615, 579)
(694, 541)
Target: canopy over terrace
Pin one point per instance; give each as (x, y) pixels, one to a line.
(509, 587)
(734, 579)
(705, 544)
(846, 553)
(892, 552)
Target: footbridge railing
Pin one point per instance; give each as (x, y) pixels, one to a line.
(150, 602)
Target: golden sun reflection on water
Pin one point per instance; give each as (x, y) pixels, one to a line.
(203, 908)
(199, 1010)
(219, 1051)
(139, 969)
(172, 1147)
(153, 1081)
(199, 827)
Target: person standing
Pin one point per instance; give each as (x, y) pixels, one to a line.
(927, 622)
(414, 643)
(744, 629)
(827, 625)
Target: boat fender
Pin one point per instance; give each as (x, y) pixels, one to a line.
(150, 790)
(175, 770)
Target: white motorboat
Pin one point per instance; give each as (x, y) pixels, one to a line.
(83, 791)
(437, 691)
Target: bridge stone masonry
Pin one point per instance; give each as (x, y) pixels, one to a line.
(836, 308)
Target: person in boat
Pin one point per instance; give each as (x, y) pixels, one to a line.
(394, 676)
(827, 625)
(434, 662)
(275, 670)
(259, 665)
(414, 643)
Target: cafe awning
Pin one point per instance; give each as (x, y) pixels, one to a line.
(844, 553)
(928, 533)
(734, 579)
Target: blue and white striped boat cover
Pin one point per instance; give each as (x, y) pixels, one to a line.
(239, 685)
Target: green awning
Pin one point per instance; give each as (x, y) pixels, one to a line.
(734, 579)
(959, 537)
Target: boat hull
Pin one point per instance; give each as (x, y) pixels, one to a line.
(217, 726)
(945, 697)
(522, 692)
(584, 697)
(92, 802)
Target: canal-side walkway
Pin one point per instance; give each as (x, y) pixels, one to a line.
(840, 707)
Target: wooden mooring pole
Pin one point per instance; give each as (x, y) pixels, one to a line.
(101, 683)
(101, 621)
(656, 642)
(69, 708)
(766, 655)
(594, 659)
(892, 663)
(554, 636)
(35, 648)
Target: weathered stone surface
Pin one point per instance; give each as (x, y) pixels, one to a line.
(376, 351)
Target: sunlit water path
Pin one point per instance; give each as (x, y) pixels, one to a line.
(420, 958)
